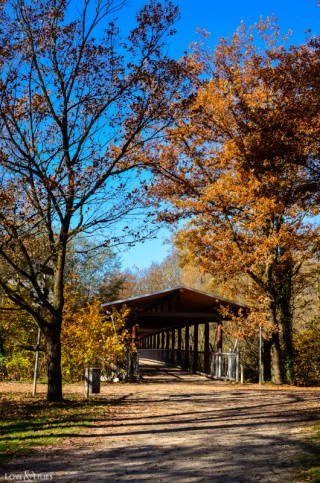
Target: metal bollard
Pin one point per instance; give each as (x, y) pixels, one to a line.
(92, 380)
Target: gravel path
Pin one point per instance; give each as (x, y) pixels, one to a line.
(179, 427)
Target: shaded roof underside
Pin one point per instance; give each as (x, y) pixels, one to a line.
(175, 307)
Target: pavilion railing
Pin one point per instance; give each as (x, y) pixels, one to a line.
(218, 365)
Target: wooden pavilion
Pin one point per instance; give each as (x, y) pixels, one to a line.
(177, 325)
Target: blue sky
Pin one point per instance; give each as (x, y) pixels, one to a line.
(221, 19)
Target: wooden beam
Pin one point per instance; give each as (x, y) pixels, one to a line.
(211, 317)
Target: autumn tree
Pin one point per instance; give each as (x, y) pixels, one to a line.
(307, 354)
(77, 114)
(241, 168)
(18, 342)
(90, 272)
(92, 338)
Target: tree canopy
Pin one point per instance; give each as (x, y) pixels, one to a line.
(242, 168)
(77, 113)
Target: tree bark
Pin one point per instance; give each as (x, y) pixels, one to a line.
(274, 345)
(289, 351)
(266, 357)
(53, 350)
(285, 317)
(275, 354)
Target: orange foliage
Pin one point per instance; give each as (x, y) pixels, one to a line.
(241, 168)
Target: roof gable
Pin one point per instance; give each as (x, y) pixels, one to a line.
(173, 307)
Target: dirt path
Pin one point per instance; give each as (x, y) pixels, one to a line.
(178, 427)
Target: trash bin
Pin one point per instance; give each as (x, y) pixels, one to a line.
(92, 380)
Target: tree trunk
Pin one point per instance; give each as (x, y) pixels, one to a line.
(266, 357)
(274, 346)
(288, 348)
(285, 317)
(275, 354)
(53, 350)
(52, 330)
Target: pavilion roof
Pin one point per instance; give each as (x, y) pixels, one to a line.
(174, 307)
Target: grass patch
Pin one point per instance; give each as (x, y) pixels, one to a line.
(29, 422)
(312, 474)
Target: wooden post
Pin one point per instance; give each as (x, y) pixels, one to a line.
(187, 337)
(173, 347)
(219, 364)
(219, 337)
(195, 347)
(219, 350)
(207, 348)
(134, 333)
(173, 340)
(179, 346)
(237, 364)
(167, 339)
(167, 353)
